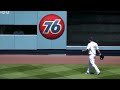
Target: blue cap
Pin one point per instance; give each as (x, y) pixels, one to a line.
(91, 38)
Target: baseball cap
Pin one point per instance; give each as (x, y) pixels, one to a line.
(91, 38)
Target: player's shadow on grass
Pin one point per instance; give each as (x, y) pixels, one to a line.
(83, 70)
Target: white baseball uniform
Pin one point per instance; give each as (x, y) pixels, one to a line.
(92, 47)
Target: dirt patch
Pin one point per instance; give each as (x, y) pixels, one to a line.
(55, 59)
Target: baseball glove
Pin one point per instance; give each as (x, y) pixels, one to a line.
(101, 57)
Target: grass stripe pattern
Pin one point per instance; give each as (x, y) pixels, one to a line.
(56, 71)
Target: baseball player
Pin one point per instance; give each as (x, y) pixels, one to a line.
(92, 47)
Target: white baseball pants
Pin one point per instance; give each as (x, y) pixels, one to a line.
(92, 64)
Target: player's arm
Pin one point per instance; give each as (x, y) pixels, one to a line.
(98, 50)
(84, 50)
(88, 47)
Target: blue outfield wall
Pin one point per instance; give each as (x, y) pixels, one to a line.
(7, 42)
(37, 44)
(7, 19)
(30, 42)
(26, 17)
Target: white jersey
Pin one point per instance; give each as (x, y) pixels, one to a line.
(92, 47)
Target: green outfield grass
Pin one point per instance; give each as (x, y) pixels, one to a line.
(56, 71)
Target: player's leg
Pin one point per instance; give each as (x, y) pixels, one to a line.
(89, 67)
(92, 61)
